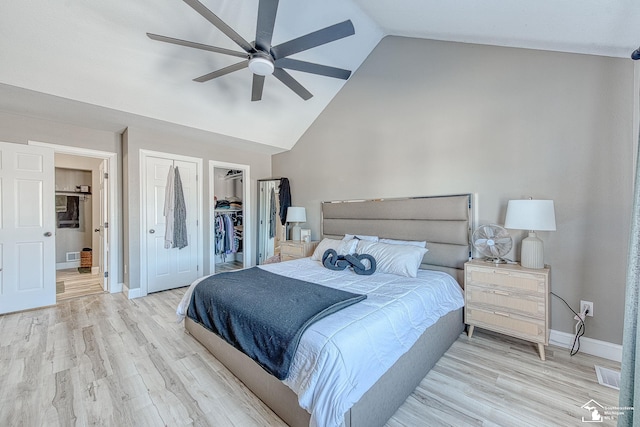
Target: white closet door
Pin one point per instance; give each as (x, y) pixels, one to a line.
(170, 268)
(27, 227)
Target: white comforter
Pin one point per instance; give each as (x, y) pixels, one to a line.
(341, 356)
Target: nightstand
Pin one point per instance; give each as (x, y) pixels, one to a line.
(294, 249)
(508, 299)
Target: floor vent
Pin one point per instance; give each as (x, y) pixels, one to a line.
(73, 256)
(608, 377)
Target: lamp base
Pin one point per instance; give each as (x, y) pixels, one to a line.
(295, 232)
(532, 253)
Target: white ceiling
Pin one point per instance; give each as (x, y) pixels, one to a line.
(58, 56)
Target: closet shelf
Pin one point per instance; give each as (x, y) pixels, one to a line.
(73, 192)
(227, 210)
(234, 176)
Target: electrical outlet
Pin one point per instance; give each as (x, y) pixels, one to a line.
(586, 304)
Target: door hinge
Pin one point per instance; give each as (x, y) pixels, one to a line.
(106, 175)
(106, 274)
(106, 225)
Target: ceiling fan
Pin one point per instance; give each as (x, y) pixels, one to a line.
(260, 57)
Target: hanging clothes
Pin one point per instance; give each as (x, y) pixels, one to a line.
(180, 214)
(285, 199)
(220, 233)
(272, 214)
(228, 241)
(169, 207)
(228, 233)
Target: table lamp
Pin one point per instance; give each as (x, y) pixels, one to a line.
(296, 215)
(532, 215)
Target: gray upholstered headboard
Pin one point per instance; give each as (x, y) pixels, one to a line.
(445, 222)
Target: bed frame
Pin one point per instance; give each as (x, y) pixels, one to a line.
(445, 222)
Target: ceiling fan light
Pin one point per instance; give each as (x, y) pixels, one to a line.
(261, 66)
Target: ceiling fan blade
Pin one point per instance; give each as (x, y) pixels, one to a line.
(220, 24)
(309, 67)
(223, 71)
(196, 45)
(311, 40)
(258, 86)
(292, 83)
(267, 10)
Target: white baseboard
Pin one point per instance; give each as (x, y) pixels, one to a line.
(590, 346)
(116, 288)
(95, 270)
(132, 293)
(66, 265)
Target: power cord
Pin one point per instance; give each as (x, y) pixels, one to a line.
(580, 327)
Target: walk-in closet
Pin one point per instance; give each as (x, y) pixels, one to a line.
(229, 218)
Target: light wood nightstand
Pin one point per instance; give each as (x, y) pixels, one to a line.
(294, 249)
(509, 299)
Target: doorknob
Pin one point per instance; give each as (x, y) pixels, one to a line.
(152, 231)
(47, 234)
(97, 230)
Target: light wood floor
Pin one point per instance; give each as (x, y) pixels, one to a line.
(75, 284)
(222, 267)
(108, 361)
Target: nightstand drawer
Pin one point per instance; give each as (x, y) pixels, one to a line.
(518, 280)
(509, 299)
(527, 305)
(509, 323)
(294, 249)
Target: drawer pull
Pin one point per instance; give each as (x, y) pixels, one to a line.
(506, 273)
(499, 313)
(501, 293)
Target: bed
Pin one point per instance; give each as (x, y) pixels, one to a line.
(444, 222)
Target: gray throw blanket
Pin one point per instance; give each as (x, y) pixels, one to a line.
(180, 215)
(264, 314)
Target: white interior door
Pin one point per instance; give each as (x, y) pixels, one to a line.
(27, 227)
(170, 268)
(103, 259)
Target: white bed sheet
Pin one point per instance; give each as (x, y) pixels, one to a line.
(341, 356)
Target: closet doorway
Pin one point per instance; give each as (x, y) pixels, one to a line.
(78, 231)
(101, 224)
(229, 201)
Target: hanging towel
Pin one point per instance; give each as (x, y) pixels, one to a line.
(169, 206)
(272, 214)
(180, 214)
(285, 199)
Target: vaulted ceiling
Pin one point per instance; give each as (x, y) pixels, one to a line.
(90, 62)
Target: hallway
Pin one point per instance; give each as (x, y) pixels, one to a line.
(72, 284)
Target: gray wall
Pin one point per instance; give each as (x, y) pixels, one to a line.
(424, 117)
(207, 147)
(22, 129)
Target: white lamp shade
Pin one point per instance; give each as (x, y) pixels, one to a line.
(534, 215)
(296, 214)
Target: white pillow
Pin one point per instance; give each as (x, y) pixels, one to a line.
(403, 260)
(420, 244)
(342, 247)
(360, 237)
